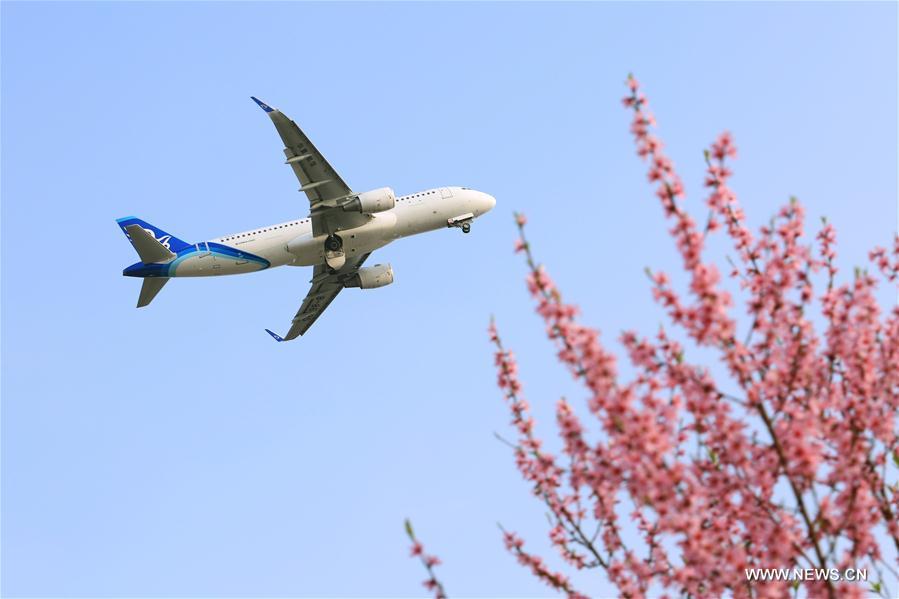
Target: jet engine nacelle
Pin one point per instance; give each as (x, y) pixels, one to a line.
(369, 202)
(379, 275)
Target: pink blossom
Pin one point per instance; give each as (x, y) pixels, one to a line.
(428, 561)
(786, 461)
(779, 466)
(632, 83)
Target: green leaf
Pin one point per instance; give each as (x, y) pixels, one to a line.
(409, 529)
(876, 586)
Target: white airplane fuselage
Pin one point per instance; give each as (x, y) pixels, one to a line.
(293, 244)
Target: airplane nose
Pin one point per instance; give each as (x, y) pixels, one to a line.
(489, 202)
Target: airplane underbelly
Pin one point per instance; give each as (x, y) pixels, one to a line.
(376, 233)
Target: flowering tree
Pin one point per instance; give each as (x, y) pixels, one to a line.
(687, 482)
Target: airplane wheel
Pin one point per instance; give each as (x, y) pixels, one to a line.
(466, 228)
(333, 243)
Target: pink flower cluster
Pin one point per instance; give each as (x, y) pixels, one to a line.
(428, 561)
(783, 464)
(538, 568)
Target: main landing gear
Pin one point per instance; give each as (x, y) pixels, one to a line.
(333, 243)
(335, 257)
(466, 228)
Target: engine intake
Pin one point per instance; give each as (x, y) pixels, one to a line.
(369, 202)
(379, 275)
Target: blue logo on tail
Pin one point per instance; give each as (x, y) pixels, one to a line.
(169, 241)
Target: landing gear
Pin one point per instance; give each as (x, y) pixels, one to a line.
(335, 257)
(333, 243)
(463, 221)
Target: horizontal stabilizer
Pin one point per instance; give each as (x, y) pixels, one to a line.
(150, 288)
(147, 246)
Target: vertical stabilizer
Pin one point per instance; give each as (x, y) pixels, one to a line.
(167, 240)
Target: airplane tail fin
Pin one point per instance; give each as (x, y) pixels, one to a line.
(166, 240)
(154, 246)
(151, 286)
(147, 246)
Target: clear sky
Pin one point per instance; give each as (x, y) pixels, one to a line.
(177, 450)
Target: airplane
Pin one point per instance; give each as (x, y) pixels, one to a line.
(342, 230)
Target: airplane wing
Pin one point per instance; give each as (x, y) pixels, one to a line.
(325, 287)
(320, 182)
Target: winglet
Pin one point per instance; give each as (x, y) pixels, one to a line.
(262, 104)
(276, 336)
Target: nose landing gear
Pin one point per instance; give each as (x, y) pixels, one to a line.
(462, 221)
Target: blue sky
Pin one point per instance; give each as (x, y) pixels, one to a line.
(177, 450)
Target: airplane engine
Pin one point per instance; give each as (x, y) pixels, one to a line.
(379, 275)
(369, 202)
